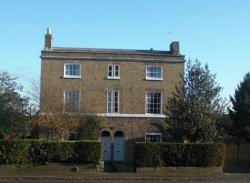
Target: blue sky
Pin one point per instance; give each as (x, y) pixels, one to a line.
(213, 31)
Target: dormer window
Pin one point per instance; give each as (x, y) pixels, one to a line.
(154, 73)
(72, 71)
(113, 72)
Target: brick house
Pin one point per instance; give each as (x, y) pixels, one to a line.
(129, 87)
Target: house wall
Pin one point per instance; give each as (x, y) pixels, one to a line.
(94, 84)
(134, 130)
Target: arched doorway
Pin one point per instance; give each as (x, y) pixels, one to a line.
(119, 146)
(106, 148)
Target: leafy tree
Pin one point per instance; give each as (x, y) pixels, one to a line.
(90, 127)
(196, 105)
(240, 112)
(14, 109)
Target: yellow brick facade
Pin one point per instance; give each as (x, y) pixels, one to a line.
(94, 84)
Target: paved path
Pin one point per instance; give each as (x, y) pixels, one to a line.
(241, 179)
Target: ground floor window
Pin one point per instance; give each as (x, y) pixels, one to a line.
(153, 137)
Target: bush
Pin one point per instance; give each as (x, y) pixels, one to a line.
(44, 151)
(179, 155)
(14, 151)
(88, 152)
(90, 127)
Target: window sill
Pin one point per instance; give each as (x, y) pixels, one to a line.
(154, 79)
(113, 78)
(72, 77)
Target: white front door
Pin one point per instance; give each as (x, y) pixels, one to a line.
(106, 149)
(118, 148)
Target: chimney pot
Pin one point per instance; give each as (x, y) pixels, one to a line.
(48, 31)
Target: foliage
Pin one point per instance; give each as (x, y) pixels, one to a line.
(89, 127)
(196, 105)
(83, 126)
(42, 152)
(13, 151)
(179, 155)
(58, 123)
(14, 109)
(88, 152)
(240, 112)
(48, 151)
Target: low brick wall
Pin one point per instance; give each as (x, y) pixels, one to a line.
(178, 169)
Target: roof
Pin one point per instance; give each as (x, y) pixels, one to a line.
(112, 51)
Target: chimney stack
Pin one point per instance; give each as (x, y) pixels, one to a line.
(48, 40)
(174, 48)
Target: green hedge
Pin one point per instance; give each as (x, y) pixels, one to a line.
(89, 152)
(44, 151)
(179, 155)
(41, 152)
(13, 151)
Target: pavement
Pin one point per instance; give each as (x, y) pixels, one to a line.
(126, 178)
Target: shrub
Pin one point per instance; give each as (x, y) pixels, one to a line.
(89, 127)
(88, 152)
(179, 155)
(14, 151)
(44, 151)
(148, 154)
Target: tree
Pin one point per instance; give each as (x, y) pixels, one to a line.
(89, 127)
(240, 112)
(196, 105)
(14, 109)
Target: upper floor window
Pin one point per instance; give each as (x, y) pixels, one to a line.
(114, 72)
(71, 100)
(154, 73)
(154, 103)
(112, 102)
(153, 137)
(72, 71)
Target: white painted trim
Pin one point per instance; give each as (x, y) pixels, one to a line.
(71, 76)
(132, 115)
(114, 78)
(124, 115)
(154, 78)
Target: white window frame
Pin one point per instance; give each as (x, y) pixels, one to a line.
(72, 76)
(154, 78)
(64, 97)
(146, 104)
(112, 102)
(113, 72)
(160, 134)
